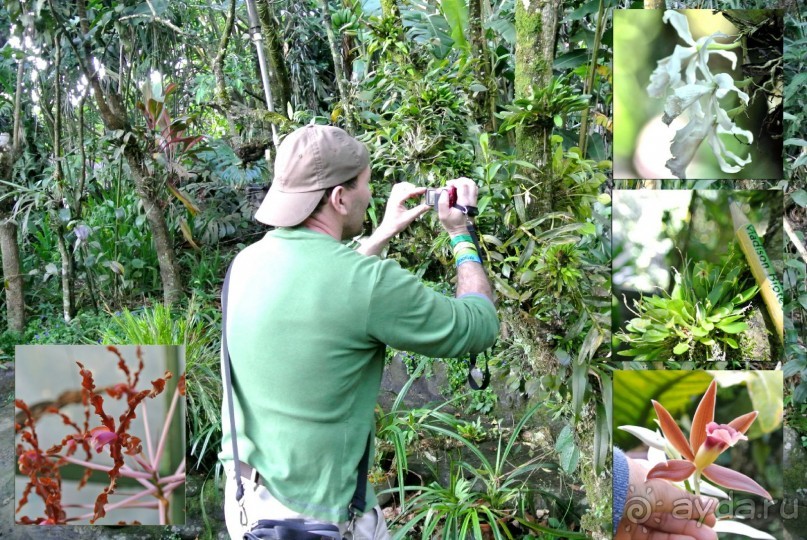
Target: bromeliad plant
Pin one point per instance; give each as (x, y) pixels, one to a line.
(705, 311)
(678, 460)
(100, 431)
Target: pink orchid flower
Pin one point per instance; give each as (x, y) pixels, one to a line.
(101, 436)
(707, 440)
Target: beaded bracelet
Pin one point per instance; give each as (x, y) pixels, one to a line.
(458, 254)
(464, 245)
(461, 238)
(471, 257)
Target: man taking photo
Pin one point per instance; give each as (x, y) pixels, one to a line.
(308, 322)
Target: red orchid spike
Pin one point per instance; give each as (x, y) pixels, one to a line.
(707, 441)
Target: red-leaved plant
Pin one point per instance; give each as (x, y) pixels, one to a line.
(42, 465)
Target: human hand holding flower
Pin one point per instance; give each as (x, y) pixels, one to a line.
(658, 510)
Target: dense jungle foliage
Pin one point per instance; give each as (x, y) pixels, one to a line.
(136, 141)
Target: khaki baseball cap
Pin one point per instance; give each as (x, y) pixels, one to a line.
(309, 161)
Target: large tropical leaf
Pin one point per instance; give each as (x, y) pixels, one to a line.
(426, 25)
(456, 14)
(633, 391)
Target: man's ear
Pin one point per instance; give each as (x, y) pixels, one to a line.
(337, 200)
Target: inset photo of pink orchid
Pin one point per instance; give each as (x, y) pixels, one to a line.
(698, 94)
(714, 434)
(100, 435)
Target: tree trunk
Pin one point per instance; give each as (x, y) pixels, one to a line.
(114, 116)
(339, 71)
(68, 297)
(222, 96)
(278, 71)
(152, 205)
(485, 105)
(536, 25)
(12, 278)
(13, 283)
(68, 294)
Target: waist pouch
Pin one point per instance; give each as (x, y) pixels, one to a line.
(292, 529)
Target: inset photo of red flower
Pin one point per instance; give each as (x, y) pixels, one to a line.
(716, 435)
(100, 435)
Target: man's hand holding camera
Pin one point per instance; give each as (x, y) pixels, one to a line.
(398, 216)
(454, 221)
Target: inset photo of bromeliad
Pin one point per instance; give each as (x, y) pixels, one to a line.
(697, 276)
(698, 93)
(698, 449)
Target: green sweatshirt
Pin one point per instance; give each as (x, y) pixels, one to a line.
(307, 324)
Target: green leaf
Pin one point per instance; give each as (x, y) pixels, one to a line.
(590, 345)
(733, 328)
(765, 389)
(681, 348)
(800, 393)
(800, 197)
(579, 385)
(601, 439)
(566, 447)
(794, 367)
(633, 391)
(571, 59)
(456, 14)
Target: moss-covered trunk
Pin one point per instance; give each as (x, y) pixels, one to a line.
(278, 71)
(13, 284)
(536, 26)
(485, 104)
(338, 68)
(12, 274)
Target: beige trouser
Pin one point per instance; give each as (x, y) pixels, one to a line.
(260, 504)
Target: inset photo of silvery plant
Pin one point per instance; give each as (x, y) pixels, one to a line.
(698, 94)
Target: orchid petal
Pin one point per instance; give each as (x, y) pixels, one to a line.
(661, 78)
(650, 438)
(725, 84)
(735, 527)
(672, 432)
(712, 491)
(734, 480)
(704, 414)
(683, 97)
(674, 469)
(721, 152)
(686, 143)
(680, 23)
(742, 423)
(703, 56)
(704, 53)
(668, 71)
(726, 126)
(728, 55)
